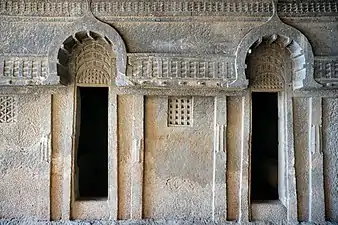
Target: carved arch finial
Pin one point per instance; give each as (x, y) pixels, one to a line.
(274, 11)
(274, 6)
(89, 11)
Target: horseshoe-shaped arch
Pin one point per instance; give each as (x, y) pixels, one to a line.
(90, 25)
(298, 45)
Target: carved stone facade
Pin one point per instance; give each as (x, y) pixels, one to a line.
(146, 112)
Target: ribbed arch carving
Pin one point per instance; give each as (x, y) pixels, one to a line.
(87, 58)
(288, 37)
(79, 33)
(269, 66)
(92, 62)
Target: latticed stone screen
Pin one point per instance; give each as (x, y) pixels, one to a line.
(7, 109)
(180, 111)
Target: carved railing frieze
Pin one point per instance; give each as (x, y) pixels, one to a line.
(213, 8)
(326, 70)
(42, 8)
(165, 8)
(156, 70)
(163, 70)
(25, 70)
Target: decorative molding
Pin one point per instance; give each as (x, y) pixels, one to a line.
(42, 8)
(45, 148)
(326, 70)
(170, 70)
(309, 7)
(185, 8)
(137, 167)
(219, 184)
(220, 7)
(316, 213)
(8, 109)
(164, 8)
(23, 70)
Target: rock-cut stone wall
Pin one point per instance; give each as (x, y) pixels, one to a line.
(179, 76)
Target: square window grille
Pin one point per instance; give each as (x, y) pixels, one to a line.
(7, 109)
(180, 111)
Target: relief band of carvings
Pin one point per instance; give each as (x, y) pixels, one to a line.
(8, 109)
(42, 8)
(180, 71)
(326, 70)
(25, 71)
(144, 7)
(215, 7)
(176, 7)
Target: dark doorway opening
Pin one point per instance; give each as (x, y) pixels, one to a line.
(264, 147)
(92, 151)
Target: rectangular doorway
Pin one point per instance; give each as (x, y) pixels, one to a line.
(92, 143)
(264, 147)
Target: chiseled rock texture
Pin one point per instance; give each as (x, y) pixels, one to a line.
(178, 78)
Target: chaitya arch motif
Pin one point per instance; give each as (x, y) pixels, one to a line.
(269, 66)
(275, 31)
(89, 33)
(92, 62)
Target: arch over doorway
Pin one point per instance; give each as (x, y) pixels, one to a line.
(87, 27)
(269, 67)
(92, 62)
(274, 30)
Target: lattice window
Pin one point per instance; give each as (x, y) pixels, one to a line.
(180, 111)
(7, 109)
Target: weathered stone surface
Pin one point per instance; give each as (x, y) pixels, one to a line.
(330, 157)
(180, 76)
